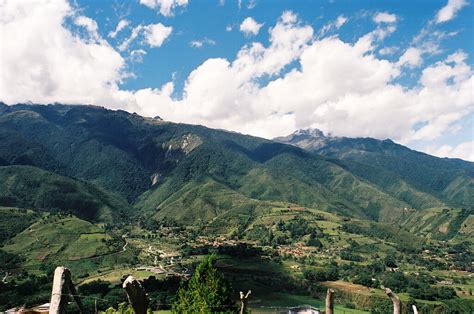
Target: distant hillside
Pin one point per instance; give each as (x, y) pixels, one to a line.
(441, 223)
(130, 155)
(30, 187)
(421, 180)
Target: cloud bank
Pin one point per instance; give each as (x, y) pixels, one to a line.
(297, 80)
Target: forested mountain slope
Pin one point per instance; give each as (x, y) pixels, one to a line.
(168, 169)
(416, 178)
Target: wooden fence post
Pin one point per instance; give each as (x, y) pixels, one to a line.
(395, 300)
(243, 301)
(330, 302)
(136, 295)
(62, 288)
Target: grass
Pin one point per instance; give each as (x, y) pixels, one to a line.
(59, 238)
(441, 223)
(355, 289)
(69, 241)
(114, 275)
(275, 302)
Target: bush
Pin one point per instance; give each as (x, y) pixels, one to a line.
(365, 279)
(206, 292)
(327, 273)
(95, 287)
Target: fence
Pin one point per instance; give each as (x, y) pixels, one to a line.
(63, 288)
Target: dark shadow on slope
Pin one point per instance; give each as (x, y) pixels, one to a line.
(266, 151)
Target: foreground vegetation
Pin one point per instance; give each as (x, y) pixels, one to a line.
(287, 257)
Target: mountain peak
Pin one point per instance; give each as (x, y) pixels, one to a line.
(302, 134)
(308, 139)
(313, 132)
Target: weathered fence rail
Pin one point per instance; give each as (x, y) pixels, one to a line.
(330, 302)
(63, 289)
(136, 295)
(395, 300)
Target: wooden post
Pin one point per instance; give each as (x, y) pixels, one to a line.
(395, 300)
(415, 310)
(62, 288)
(136, 295)
(330, 302)
(243, 301)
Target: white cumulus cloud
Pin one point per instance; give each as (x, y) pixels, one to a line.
(202, 42)
(386, 51)
(165, 7)
(44, 62)
(411, 57)
(296, 80)
(134, 34)
(384, 17)
(89, 24)
(333, 25)
(155, 34)
(250, 27)
(449, 11)
(464, 151)
(120, 26)
(339, 87)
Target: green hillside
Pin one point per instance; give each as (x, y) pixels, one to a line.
(441, 223)
(283, 173)
(67, 240)
(83, 159)
(130, 155)
(31, 187)
(421, 180)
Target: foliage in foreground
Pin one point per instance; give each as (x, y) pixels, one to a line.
(207, 291)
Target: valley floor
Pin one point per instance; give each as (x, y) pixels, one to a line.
(286, 257)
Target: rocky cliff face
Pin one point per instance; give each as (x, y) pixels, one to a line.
(309, 139)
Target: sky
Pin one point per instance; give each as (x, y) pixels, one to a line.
(382, 68)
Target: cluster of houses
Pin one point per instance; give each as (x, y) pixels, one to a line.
(217, 242)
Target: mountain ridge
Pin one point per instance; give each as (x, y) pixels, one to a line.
(366, 156)
(139, 158)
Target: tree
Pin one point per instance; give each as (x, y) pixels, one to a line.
(390, 262)
(206, 292)
(95, 287)
(365, 279)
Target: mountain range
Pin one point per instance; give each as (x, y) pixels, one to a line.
(103, 165)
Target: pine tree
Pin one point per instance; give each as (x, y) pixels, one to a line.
(206, 292)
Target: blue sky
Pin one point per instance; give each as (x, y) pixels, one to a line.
(384, 69)
(209, 18)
